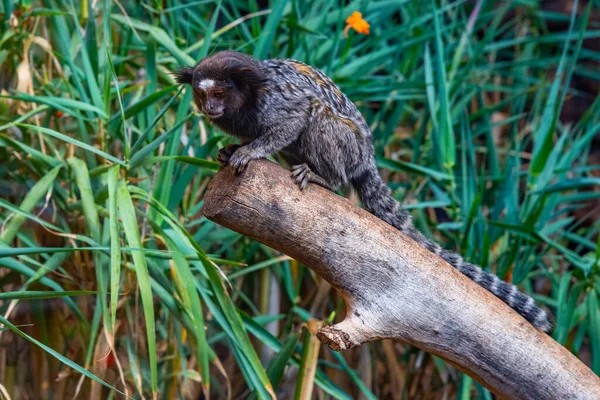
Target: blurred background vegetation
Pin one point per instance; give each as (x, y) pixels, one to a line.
(486, 119)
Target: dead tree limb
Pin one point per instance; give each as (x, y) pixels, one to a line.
(394, 288)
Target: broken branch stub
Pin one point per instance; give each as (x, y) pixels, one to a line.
(394, 288)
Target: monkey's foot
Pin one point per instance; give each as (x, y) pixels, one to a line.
(225, 153)
(302, 174)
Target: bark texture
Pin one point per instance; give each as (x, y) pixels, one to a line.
(394, 288)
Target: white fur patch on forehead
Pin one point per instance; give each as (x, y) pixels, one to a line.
(206, 84)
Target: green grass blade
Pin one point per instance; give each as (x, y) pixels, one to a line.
(230, 311)
(56, 355)
(115, 243)
(403, 166)
(75, 142)
(33, 197)
(20, 268)
(123, 120)
(32, 153)
(40, 294)
(157, 118)
(446, 133)
(192, 302)
(198, 162)
(140, 106)
(543, 143)
(224, 301)
(145, 152)
(269, 29)
(92, 219)
(594, 329)
(53, 263)
(277, 366)
(308, 362)
(130, 226)
(210, 30)
(84, 184)
(158, 34)
(63, 104)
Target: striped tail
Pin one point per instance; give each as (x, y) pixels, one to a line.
(377, 199)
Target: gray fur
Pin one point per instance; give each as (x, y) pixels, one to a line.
(290, 108)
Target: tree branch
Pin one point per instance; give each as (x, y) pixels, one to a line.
(394, 288)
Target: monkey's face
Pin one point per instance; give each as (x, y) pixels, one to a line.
(217, 98)
(224, 84)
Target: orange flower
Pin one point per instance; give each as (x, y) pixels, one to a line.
(356, 22)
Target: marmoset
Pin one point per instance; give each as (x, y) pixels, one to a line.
(287, 107)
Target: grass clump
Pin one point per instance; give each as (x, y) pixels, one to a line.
(485, 118)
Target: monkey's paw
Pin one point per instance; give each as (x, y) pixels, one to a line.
(301, 174)
(240, 159)
(225, 153)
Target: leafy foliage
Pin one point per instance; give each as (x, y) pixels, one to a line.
(108, 270)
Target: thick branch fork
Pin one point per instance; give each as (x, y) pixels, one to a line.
(394, 288)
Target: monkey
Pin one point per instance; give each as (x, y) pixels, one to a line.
(287, 107)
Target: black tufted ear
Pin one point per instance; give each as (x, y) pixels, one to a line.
(247, 76)
(184, 75)
(244, 71)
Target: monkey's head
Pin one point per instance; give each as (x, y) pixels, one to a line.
(224, 83)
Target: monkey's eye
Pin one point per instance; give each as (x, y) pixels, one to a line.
(218, 95)
(202, 94)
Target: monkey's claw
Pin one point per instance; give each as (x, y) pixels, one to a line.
(225, 153)
(301, 174)
(239, 160)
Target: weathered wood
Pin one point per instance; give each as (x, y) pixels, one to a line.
(394, 288)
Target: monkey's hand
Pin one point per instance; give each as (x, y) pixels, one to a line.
(273, 139)
(225, 153)
(240, 159)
